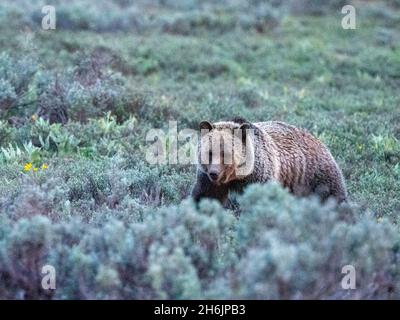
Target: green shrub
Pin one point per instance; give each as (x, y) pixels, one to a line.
(15, 77)
(298, 250)
(315, 7)
(80, 94)
(280, 247)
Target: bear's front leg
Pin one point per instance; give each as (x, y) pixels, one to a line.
(204, 188)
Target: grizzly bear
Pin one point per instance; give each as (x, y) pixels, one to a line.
(233, 154)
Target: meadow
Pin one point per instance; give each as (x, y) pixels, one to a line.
(77, 193)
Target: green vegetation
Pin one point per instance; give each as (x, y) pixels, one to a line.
(76, 191)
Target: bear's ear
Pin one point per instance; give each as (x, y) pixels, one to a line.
(245, 126)
(205, 125)
(243, 130)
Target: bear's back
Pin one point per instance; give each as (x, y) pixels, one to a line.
(289, 137)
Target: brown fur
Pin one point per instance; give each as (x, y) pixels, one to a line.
(282, 152)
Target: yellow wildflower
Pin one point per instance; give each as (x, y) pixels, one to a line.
(28, 166)
(44, 166)
(34, 117)
(35, 169)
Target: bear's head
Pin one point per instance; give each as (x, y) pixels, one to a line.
(226, 150)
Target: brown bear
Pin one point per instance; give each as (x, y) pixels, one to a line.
(233, 154)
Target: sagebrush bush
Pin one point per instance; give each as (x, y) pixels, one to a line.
(292, 244)
(315, 7)
(80, 94)
(86, 91)
(15, 77)
(279, 247)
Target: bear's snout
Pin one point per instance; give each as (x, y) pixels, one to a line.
(213, 175)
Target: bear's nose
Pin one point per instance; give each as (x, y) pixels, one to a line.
(213, 176)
